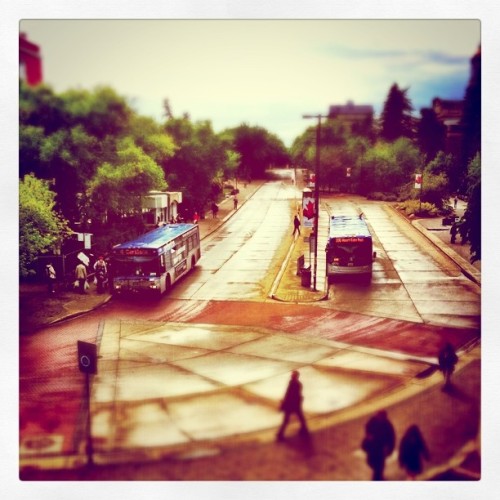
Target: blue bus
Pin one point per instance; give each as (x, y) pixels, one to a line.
(349, 250)
(153, 262)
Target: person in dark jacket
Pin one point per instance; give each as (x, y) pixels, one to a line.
(411, 451)
(378, 443)
(296, 226)
(447, 359)
(453, 232)
(292, 403)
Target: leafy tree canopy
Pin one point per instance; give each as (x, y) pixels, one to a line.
(40, 227)
(118, 187)
(396, 115)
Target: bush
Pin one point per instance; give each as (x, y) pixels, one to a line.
(382, 196)
(413, 207)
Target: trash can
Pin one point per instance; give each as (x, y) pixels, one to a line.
(305, 277)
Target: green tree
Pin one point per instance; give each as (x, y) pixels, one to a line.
(41, 228)
(118, 187)
(197, 164)
(473, 212)
(471, 117)
(258, 150)
(396, 115)
(431, 134)
(386, 167)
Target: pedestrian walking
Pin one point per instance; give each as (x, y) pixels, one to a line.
(215, 210)
(196, 218)
(412, 450)
(235, 202)
(81, 276)
(378, 443)
(296, 225)
(50, 275)
(447, 359)
(455, 202)
(101, 274)
(453, 232)
(292, 404)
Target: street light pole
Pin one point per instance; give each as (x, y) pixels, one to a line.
(316, 194)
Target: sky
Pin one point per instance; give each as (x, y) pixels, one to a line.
(266, 73)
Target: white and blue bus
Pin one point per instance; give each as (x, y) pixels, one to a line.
(349, 250)
(153, 262)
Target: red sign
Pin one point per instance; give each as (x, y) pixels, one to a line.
(418, 181)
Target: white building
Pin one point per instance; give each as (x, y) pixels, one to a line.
(161, 207)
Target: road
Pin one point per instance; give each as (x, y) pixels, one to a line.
(412, 280)
(239, 259)
(218, 345)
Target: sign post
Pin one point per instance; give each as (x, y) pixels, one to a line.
(87, 363)
(418, 185)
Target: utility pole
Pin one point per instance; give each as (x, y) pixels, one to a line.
(316, 194)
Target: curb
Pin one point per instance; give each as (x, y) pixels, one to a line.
(76, 314)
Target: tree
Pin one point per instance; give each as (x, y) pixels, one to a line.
(431, 134)
(118, 187)
(472, 215)
(197, 164)
(471, 118)
(396, 115)
(258, 150)
(386, 167)
(40, 226)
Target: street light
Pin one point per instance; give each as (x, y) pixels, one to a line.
(316, 194)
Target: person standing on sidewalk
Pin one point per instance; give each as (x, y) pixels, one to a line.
(81, 276)
(50, 274)
(235, 202)
(296, 225)
(378, 443)
(292, 403)
(447, 359)
(101, 274)
(411, 451)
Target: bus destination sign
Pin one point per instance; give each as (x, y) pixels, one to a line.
(136, 251)
(349, 239)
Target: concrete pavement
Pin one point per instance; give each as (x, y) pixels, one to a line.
(236, 377)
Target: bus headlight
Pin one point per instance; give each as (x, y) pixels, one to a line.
(154, 284)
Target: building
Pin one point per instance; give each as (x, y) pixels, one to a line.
(357, 117)
(30, 61)
(161, 207)
(449, 113)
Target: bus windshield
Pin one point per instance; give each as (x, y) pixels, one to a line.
(136, 267)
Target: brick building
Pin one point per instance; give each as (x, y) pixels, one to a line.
(30, 61)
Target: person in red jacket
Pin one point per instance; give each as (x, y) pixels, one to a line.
(292, 403)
